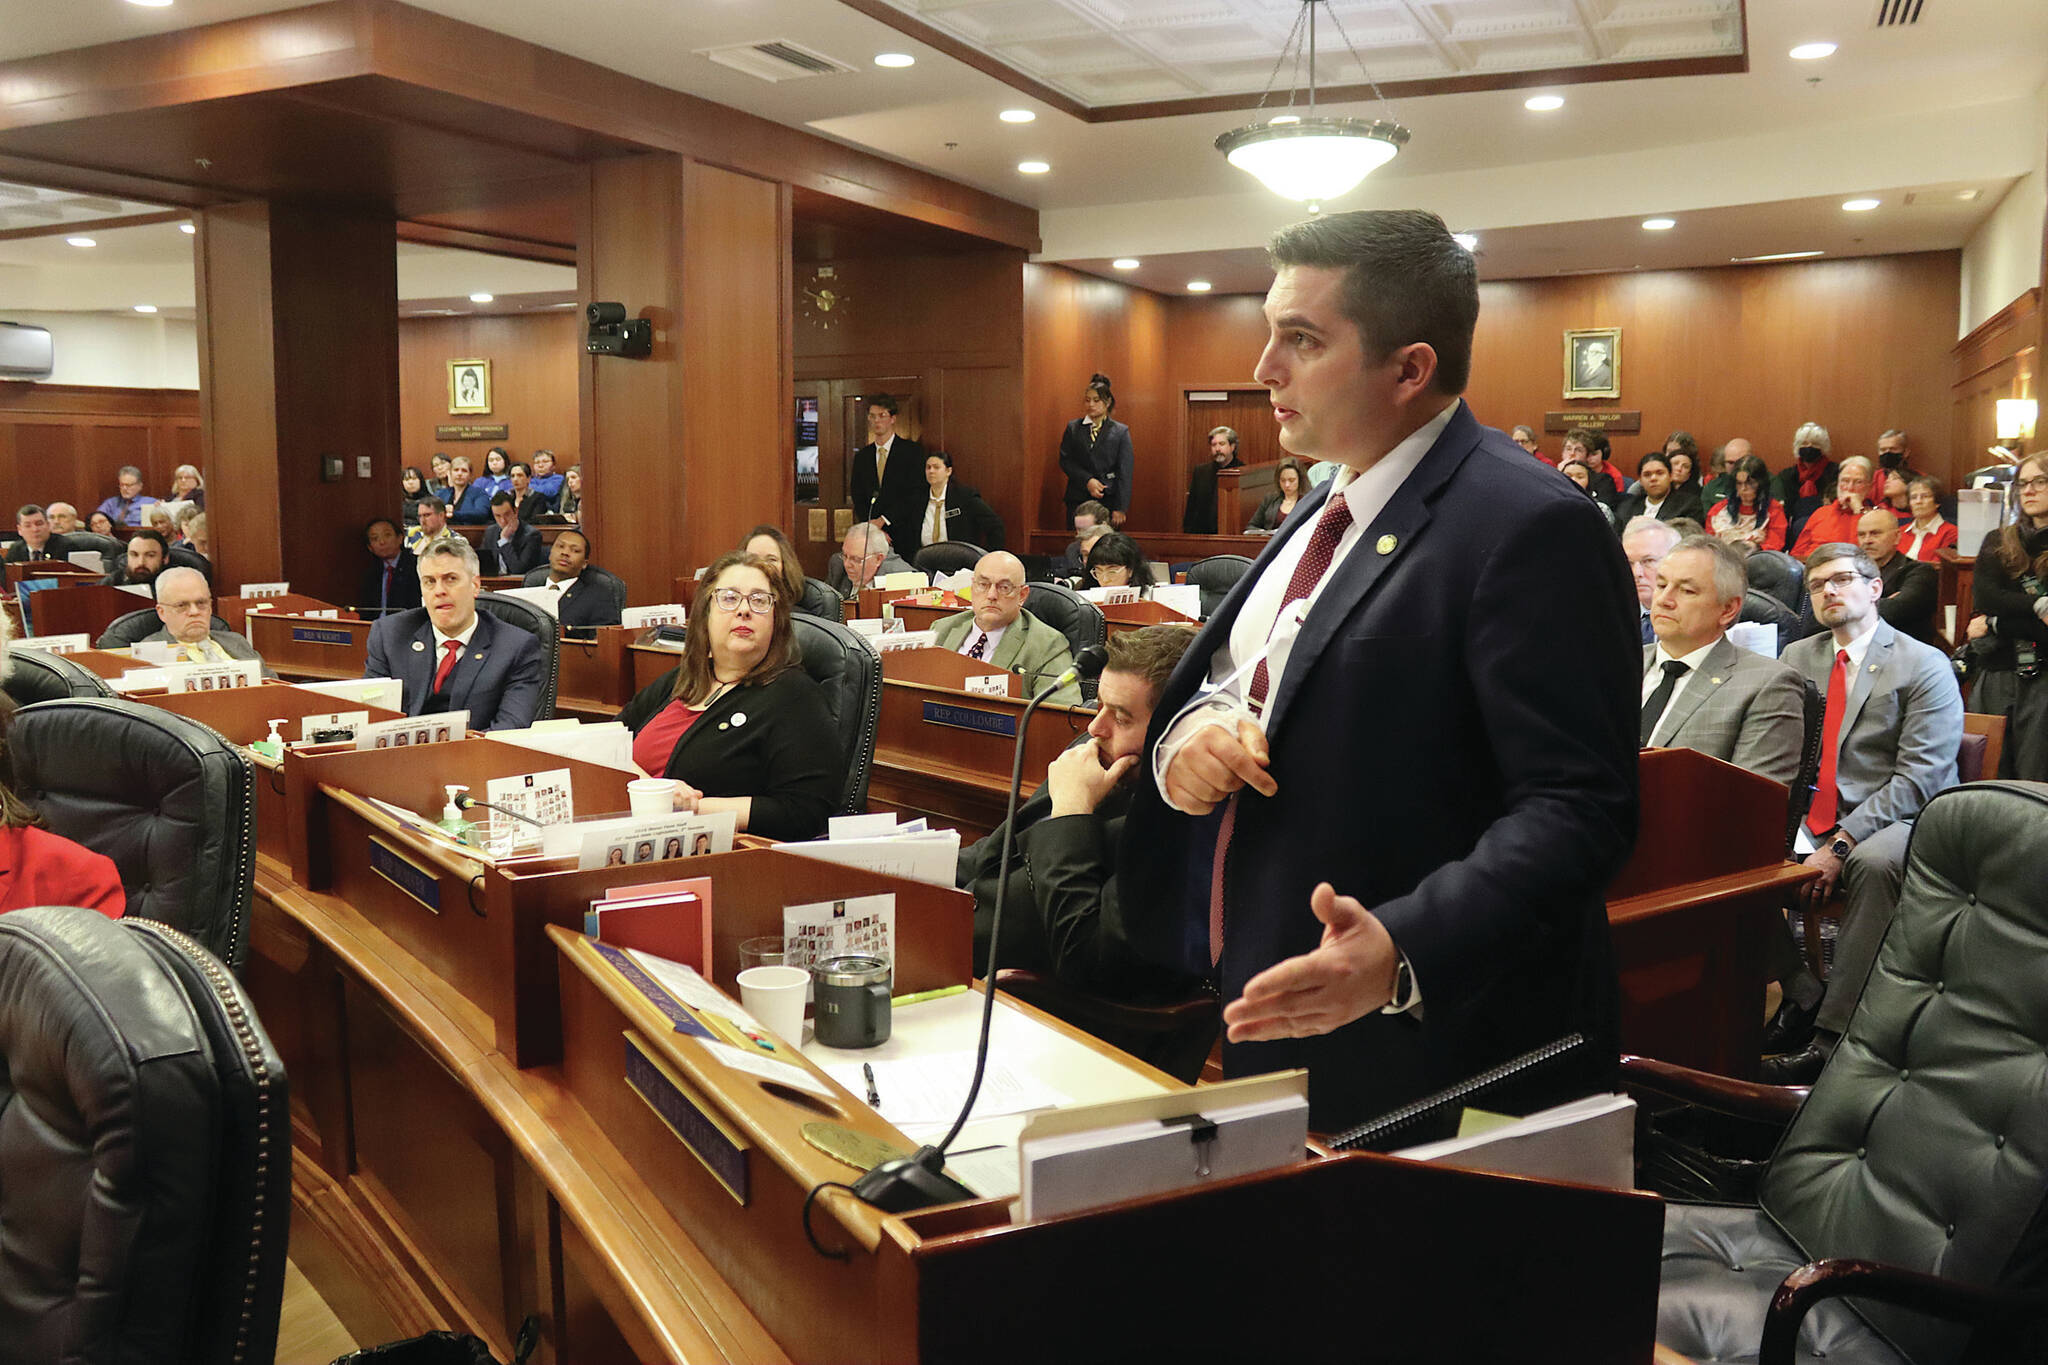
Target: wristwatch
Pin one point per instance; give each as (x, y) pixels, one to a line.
(1840, 846)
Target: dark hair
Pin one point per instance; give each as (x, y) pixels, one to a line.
(518, 465)
(1098, 384)
(1928, 482)
(1754, 466)
(30, 510)
(1653, 457)
(374, 522)
(157, 536)
(1300, 476)
(440, 455)
(1592, 438)
(15, 813)
(503, 499)
(1118, 548)
(939, 455)
(1842, 549)
(792, 566)
(1406, 281)
(580, 534)
(1151, 653)
(886, 402)
(2011, 552)
(421, 504)
(412, 472)
(498, 451)
(1685, 442)
(695, 678)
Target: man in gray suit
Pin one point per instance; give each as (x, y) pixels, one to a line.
(184, 602)
(1894, 723)
(1702, 692)
(865, 556)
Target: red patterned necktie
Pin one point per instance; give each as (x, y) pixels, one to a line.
(1820, 817)
(980, 647)
(1315, 562)
(454, 652)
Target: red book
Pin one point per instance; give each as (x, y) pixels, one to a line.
(671, 920)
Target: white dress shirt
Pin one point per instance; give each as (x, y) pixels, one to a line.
(935, 517)
(1802, 842)
(1654, 678)
(441, 639)
(994, 638)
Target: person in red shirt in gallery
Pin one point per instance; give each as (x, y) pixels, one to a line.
(36, 866)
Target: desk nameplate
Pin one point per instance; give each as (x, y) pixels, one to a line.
(314, 635)
(625, 966)
(683, 1112)
(971, 718)
(405, 874)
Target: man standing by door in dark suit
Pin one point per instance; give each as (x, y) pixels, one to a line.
(888, 476)
(450, 656)
(1382, 812)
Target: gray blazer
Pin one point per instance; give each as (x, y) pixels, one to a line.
(234, 645)
(1901, 730)
(1741, 708)
(835, 570)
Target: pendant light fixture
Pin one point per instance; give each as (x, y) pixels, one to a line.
(1309, 157)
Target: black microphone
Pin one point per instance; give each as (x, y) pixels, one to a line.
(919, 1181)
(463, 801)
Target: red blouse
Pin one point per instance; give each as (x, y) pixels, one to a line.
(41, 868)
(1923, 547)
(657, 739)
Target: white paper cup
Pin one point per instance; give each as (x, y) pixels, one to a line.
(775, 996)
(652, 795)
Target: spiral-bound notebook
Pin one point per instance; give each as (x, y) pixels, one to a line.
(1436, 1116)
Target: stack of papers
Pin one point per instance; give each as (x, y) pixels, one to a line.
(921, 855)
(1590, 1141)
(922, 1095)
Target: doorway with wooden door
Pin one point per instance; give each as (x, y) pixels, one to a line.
(832, 426)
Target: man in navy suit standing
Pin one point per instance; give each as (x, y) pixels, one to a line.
(1394, 774)
(449, 657)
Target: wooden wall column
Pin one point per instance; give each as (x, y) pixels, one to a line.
(298, 360)
(685, 449)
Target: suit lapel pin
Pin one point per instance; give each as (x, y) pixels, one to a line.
(1716, 682)
(1386, 545)
(723, 726)
(739, 718)
(478, 656)
(419, 646)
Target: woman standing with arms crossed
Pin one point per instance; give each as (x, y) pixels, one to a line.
(1095, 453)
(2012, 589)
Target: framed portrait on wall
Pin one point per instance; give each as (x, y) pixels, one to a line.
(469, 386)
(1592, 363)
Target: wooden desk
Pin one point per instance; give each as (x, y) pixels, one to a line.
(475, 534)
(595, 678)
(50, 568)
(311, 648)
(1958, 574)
(87, 609)
(236, 610)
(1129, 616)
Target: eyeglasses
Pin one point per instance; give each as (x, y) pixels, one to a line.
(984, 587)
(2034, 485)
(1840, 582)
(729, 599)
(203, 604)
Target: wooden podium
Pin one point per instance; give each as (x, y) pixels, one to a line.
(1691, 911)
(318, 649)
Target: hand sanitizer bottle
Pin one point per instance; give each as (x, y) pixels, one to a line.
(451, 822)
(271, 745)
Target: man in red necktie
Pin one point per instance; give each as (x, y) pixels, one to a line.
(450, 656)
(1398, 767)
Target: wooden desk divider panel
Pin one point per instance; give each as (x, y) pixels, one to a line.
(963, 1283)
(243, 716)
(941, 668)
(595, 681)
(918, 618)
(87, 609)
(498, 582)
(235, 610)
(306, 647)
(51, 568)
(1691, 911)
(105, 662)
(648, 662)
(1123, 616)
(1958, 575)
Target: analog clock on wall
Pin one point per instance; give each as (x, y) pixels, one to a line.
(821, 298)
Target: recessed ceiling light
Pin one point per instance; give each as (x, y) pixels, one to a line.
(1967, 195)
(482, 298)
(1860, 205)
(1466, 240)
(1812, 52)
(894, 59)
(1659, 224)
(1543, 104)
(1034, 167)
(187, 228)
(1017, 116)
(145, 308)
(1279, 119)
(1125, 263)
(1776, 256)
(152, 4)
(1199, 286)
(80, 241)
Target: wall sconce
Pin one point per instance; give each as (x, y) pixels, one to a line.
(2016, 418)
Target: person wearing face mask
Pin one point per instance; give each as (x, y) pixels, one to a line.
(1095, 453)
(1809, 480)
(1834, 521)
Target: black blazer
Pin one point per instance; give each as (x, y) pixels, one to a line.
(591, 603)
(1912, 593)
(901, 494)
(1199, 518)
(56, 547)
(534, 506)
(968, 518)
(1434, 762)
(522, 556)
(405, 586)
(773, 741)
(1108, 459)
(1268, 517)
(1682, 501)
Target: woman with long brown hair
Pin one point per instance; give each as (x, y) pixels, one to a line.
(738, 722)
(2012, 589)
(767, 542)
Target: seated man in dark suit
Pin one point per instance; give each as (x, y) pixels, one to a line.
(147, 556)
(1702, 692)
(1061, 913)
(1912, 589)
(391, 582)
(585, 602)
(37, 541)
(509, 545)
(450, 656)
(184, 603)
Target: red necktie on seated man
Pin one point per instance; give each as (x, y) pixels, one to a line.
(452, 652)
(1820, 816)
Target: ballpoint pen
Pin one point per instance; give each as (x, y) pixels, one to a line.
(874, 1096)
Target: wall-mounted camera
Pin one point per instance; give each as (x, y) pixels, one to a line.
(613, 333)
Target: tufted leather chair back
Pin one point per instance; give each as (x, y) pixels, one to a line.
(34, 675)
(1809, 762)
(850, 671)
(1779, 574)
(535, 622)
(170, 801)
(820, 600)
(1216, 576)
(947, 556)
(113, 550)
(130, 626)
(1761, 606)
(1073, 616)
(1925, 1142)
(145, 1152)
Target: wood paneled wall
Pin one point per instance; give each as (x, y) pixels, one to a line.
(65, 444)
(1857, 345)
(534, 358)
(2001, 359)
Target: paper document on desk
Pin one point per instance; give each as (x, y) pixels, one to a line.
(606, 743)
(931, 856)
(388, 693)
(926, 1092)
(1591, 1141)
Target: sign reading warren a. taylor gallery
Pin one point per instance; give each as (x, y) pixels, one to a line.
(466, 431)
(1600, 419)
